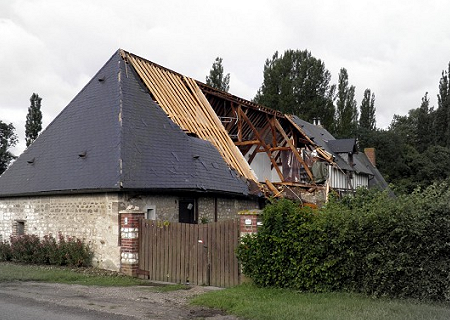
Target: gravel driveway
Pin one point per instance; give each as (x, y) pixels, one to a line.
(140, 302)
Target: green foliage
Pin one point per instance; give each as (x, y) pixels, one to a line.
(33, 124)
(370, 243)
(346, 110)
(8, 139)
(367, 118)
(297, 83)
(67, 251)
(216, 78)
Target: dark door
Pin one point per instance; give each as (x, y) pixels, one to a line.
(188, 211)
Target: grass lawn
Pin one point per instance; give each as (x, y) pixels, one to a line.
(19, 272)
(250, 302)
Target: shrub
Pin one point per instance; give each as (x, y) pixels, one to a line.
(67, 251)
(370, 243)
(5, 251)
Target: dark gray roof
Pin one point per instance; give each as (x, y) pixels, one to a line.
(343, 145)
(113, 136)
(336, 147)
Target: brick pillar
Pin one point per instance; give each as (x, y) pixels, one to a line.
(250, 220)
(129, 241)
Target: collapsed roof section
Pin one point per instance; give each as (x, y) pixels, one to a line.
(261, 144)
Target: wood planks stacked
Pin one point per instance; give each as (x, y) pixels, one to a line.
(184, 102)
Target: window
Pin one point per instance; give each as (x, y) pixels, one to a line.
(151, 213)
(19, 228)
(188, 211)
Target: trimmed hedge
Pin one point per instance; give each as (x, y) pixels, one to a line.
(67, 251)
(370, 243)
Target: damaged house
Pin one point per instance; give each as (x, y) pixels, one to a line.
(139, 134)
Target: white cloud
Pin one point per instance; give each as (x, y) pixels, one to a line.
(53, 47)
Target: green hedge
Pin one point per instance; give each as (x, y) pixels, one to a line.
(66, 251)
(370, 243)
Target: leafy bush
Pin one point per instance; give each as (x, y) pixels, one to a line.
(370, 243)
(67, 251)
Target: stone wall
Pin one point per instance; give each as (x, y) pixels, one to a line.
(93, 218)
(166, 207)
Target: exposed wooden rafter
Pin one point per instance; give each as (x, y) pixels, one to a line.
(183, 101)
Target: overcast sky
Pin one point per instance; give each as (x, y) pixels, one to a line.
(398, 49)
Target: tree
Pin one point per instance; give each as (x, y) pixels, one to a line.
(346, 110)
(298, 83)
(33, 124)
(216, 78)
(443, 110)
(425, 125)
(367, 111)
(8, 139)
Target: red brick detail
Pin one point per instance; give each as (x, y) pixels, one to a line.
(249, 223)
(370, 153)
(128, 221)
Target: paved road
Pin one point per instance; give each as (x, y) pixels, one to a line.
(17, 308)
(51, 301)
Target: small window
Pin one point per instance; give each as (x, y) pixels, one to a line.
(151, 213)
(20, 228)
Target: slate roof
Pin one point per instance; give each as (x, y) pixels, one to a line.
(112, 136)
(343, 145)
(324, 139)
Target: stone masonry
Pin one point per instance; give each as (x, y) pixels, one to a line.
(95, 218)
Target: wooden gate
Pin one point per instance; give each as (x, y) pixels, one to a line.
(201, 254)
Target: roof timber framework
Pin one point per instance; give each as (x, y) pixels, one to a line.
(183, 101)
(238, 128)
(255, 129)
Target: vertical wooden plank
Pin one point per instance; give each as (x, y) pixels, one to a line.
(222, 253)
(234, 280)
(195, 246)
(212, 252)
(237, 237)
(175, 254)
(141, 245)
(227, 254)
(154, 253)
(160, 256)
(182, 264)
(189, 239)
(147, 249)
(209, 251)
(167, 251)
(204, 247)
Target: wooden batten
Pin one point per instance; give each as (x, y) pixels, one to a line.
(184, 103)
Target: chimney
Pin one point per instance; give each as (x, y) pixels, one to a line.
(370, 153)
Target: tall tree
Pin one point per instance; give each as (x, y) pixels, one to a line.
(8, 139)
(346, 109)
(443, 110)
(367, 118)
(33, 124)
(298, 83)
(425, 125)
(216, 78)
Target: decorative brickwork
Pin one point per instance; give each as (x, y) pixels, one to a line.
(250, 221)
(129, 241)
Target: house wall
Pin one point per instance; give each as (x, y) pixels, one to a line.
(166, 207)
(339, 180)
(93, 218)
